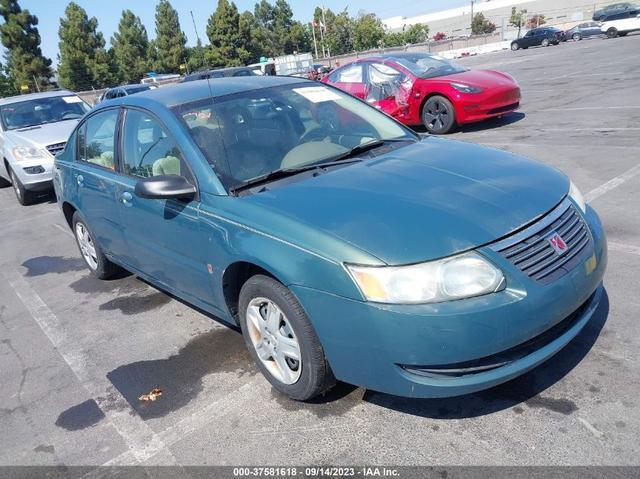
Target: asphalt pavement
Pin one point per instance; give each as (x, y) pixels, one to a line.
(75, 353)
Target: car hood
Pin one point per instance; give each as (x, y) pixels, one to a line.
(420, 202)
(42, 135)
(480, 78)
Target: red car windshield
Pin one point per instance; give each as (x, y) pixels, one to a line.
(424, 65)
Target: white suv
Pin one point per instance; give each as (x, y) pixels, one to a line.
(33, 128)
(620, 24)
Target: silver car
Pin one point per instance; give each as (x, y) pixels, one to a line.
(33, 128)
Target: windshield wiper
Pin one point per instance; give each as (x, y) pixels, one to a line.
(341, 159)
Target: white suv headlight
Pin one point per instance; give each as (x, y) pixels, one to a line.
(30, 153)
(575, 195)
(457, 277)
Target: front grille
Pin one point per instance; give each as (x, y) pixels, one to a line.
(502, 109)
(56, 148)
(534, 255)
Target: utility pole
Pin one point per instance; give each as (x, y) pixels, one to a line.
(472, 1)
(323, 27)
(313, 32)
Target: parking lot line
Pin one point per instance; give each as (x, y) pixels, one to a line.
(139, 438)
(612, 183)
(634, 107)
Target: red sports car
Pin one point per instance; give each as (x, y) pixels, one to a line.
(425, 89)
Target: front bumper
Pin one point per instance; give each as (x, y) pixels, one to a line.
(34, 181)
(371, 345)
(472, 109)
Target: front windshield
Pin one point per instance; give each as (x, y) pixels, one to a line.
(42, 110)
(428, 66)
(250, 134)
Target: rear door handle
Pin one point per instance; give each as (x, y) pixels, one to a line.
(126, 198)
(80, 180)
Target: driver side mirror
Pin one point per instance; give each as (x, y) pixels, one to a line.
(165, 187)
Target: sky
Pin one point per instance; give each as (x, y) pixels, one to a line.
(108, 13)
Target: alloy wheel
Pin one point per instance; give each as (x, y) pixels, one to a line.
(16, 188)
(87, 247)
(274, 340)
(436, 115)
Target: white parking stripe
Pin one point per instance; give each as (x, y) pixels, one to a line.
(599, 108)
(625, 248)
(139, 438)
(612, 183)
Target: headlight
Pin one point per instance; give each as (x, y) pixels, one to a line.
(461, 87)
(30, 153)
(457, 277)
(576, 196)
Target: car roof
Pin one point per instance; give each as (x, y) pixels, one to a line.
(187, 92)
(34, 96)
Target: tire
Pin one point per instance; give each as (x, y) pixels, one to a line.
(515, 46)
(545, 42)
(96, 261)
(576, 37)
(612, 33)
(300, 379)
(24, 196)
(438, 115)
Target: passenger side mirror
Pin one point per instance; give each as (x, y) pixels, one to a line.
(165, 187)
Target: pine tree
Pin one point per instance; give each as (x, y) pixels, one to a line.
(223, 30)
(83, 62)
(25, 62)
(170, 39)
(130, 48)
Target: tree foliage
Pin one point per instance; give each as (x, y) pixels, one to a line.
(83, 61)
(170, 44)
(536, 20)
(130, 48)
(19, 33)
(481, 25)
(368, 32)
(517, 18)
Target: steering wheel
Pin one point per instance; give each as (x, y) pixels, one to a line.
(318, 133)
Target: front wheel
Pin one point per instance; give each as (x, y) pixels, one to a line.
(282, 340)
(612, 33)
(515, 46)
(545, 42)
(438, 115)
(576, 37)
(24, 196)
(99, 265)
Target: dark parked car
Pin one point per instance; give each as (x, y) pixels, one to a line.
(584, 30)
(541, 36)
(345, 246)
(605, 13)
(220, 73)
(124, 90)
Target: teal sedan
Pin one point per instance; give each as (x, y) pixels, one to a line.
(343, 245)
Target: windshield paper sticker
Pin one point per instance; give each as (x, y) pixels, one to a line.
(71, 99)
(317, 94)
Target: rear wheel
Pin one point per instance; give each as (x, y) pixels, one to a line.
(98, 264)
(24, 196)
(438, 115)
(612, 33)
(545, 42)
(576, 37)
(282, 340)
(515, 46)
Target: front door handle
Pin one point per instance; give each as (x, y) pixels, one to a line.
(126, 198)
(80, 180)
